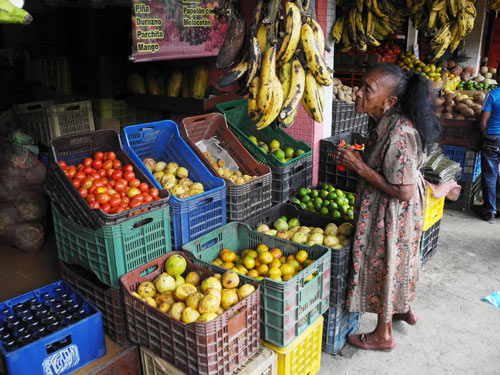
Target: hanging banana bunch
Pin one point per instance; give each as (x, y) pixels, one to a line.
(282, 65)
(366, 23)
(494, 5)
(449, 20)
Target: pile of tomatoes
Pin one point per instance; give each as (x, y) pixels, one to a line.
(108, 185)
(389, 52)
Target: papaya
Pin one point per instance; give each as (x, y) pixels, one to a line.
(153, 86)
(174, 83)
(135, 84)
(186, 87)
(200, 81)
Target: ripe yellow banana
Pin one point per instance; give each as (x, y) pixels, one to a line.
(285, 77)
(297, 87)
(254, 57)
(376, 9)
(288, 122)
(455, 38)
(314, 58)
(276, 103)
(233, 75)
(338, 29)
(453, 5)
(310, 99)
(437, 5)
(253, 109)
(432, 19)
(262, 37)
(318, 35)
(359, 5)
(267, 72)
(358, 17)
(292, 34)
(462, 24)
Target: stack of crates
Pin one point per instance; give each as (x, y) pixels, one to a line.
(291, 322)
(94, 248)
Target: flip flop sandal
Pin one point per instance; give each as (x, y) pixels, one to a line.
(361, 341)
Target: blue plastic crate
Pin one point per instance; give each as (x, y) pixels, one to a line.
(191, 217)
(63, 351)
(339, 324)
(469, 160)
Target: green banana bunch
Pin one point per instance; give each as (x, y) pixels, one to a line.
(12, 14)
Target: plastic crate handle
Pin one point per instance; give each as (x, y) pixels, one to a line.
(205, 201)
(237, 322)
(75, 107)
(142, 222)
(58, 344)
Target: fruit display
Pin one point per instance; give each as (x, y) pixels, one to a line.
(475, 85)
(333, 236)
(354, 146)
(408, 61)
(327, 201)
(190, 82)
(188, 297)
(107, 185)
(389, 52)
(11, 13)
(459, 106)
(174, 178)
(484, 79)
(220, 166)
(343, 93)
(276, 74)
(274, 148)
(364, 23)
(265, 262)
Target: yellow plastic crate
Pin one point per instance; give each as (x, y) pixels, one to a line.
(433, 209)
(262, 363)
(303, 356)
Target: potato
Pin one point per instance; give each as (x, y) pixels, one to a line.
(438, 102)
(448, 116)
(341, 95)
(459, 117)
(468, 102)
(335, 90)
(477, 112)
(467, 112)
(450, 96)
(479, 97)
(459, 98)
(450, 103)
(449, 109)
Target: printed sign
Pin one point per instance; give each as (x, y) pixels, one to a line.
(61, 360)
(175, 29)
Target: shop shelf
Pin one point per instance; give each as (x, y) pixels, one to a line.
(461, 133)
(73, 150)
(219, 346)
(287, 308)
(328, 172)
(467, 195)
(469, 160)
(339, 324)
(113, 250)
(346, 119)
(108, 300)
(191, 217)
(433, 209)
(261, 363)
(429, 241)
(243, 200)
(302, 356)
(63, 351)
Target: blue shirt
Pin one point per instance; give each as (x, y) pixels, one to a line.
(492, 105)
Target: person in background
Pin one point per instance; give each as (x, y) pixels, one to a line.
(390, 198)
(489, 124)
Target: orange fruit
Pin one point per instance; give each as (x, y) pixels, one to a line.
(276, 253)
(253, 273)
(290, 257)
(274, 271)
(242, 270)
(228, 265)
(275, 263)
(249, 262)
(295, 264)
(263, 270)
(262, 248)
(301, 256)
(252, 253)
(287, 269)
(287, 277)
(244, 253)
(265, 257)
(218, 261)
(308, 262)
(228, 256)
(257, 262)
(276, 277)
(283, 260)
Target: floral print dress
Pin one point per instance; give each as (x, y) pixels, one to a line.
(386, 246)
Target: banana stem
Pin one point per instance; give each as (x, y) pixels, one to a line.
(270, 21)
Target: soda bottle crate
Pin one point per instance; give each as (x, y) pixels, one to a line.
(60, 350)
(220, 346)
(191, 217)
(288, 307)
(303, 355)
(243, 200)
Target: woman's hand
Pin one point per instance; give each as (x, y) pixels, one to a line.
(349, 158)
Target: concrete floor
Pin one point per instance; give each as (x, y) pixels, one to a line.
(457, 332)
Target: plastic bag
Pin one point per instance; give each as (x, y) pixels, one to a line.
(493, 298)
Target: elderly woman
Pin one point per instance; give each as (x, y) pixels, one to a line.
(389, 198)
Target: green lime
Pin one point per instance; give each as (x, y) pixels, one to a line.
(317, 205)
(284, 218)
(351, 200)
(336, 214)
(305, 198)
(345, 208)
(323, 211)
(331, 188)
(326, 203)
(325, 187)
(298, 153)
(315, 193)
(311, 209)
(318, 200)
(302, 192)
(333, 206)
(296, 201)
(323, 194)
(289, 152)
(332, 196)
(310, 204)
(308, 190)
(339, 193)
(279, 154)
(303, 205)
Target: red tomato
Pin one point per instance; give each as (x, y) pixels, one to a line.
(87, 162)
(156, 198)
(109, 172)
(102, 172)
(71, 171)
(108, 164)
(111, 192)
(115, 201)
(80, 167)
(98, 155)
(87, 170)
(123, 194)
(148, 198)
(134, 183)
(143, 187)
(128, 168)
(76, 183)
(102, 198)
(132, 192)
(139, 197)
(95, 175)
(95, 205)
(112, 183)
(106, 207)
(135, 203)
(129, 176)
(63, 165)
(117, 174)
(90, 198)
(120, 185)
(154, 192)
(104, 180)
(87, 183)
(83, 192)
(111, 155)
(117, 164)
(97, 164)
(125, 201)
(119, 209)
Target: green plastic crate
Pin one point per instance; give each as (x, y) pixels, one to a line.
(113, 250)
(286, 308)
(236, 113)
